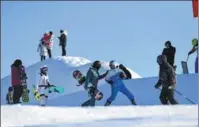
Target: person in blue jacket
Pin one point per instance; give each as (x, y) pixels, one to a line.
(115, 77)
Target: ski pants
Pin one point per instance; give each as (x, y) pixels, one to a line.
(43, 58)
(18, 90)
(167, 95)
(119, 87)
(43, 91)
(49, 53)
(196, 65)
(63, 50)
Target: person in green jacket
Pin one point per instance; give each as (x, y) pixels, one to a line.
(91, 82)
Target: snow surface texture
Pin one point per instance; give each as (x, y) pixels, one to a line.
(128, 116)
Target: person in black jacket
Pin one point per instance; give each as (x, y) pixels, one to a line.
(167, 79)
(126, 71)
(63, 40)
(169, 52)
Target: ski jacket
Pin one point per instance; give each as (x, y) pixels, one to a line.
(92, 78)
(115, 75)
(170, 54)
(63, 39)
(167, 76)
(43, 82)
(17, 74)
(42, 49)
(48, 39)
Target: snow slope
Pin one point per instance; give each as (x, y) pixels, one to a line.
(123, 116)
(60, 74)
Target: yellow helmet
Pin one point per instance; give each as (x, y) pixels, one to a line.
(195, 42)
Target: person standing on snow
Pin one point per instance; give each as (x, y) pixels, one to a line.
(169, 51)
(48, 39)
(115, 77)
(43, 50)
(195, 48)
(43, 85)
(63, 41)
(17, 75)
(167, 79)
(91, 82)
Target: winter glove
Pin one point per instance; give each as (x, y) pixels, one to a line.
(122, 75)
(110, 82)
(189, 53)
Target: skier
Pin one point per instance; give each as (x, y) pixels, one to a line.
(195, 48)
(63, 41)
(43, 85)
(18, 75)
(115, 77)
(92, 78)
(126, 71)
(169, 51)
(43, 50)
(167, 79)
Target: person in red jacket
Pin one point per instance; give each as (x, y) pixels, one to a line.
(17, 75)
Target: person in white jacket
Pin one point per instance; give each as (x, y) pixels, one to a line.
(43, 85)
(42, 49)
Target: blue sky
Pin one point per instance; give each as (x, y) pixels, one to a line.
(132, 33)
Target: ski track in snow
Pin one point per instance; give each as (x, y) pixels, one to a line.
(119, 116)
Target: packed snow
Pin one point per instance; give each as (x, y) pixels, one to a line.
(120, 116)
(64, 109)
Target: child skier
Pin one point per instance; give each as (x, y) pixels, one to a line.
(9, 96)
(115, 77)
(43, 50)
(195, 48)
(43, 85)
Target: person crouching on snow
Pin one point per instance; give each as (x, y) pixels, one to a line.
(43, 85)
(115, 77)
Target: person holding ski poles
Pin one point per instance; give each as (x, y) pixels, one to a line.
(195, 48)
(115, 77)
(167, 79)
(91, 82)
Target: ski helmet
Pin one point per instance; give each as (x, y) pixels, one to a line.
(195, 42)
(97, 64)
(76, 74)
(44, 69)
(10, 89)
(113, 64)
(99, 96)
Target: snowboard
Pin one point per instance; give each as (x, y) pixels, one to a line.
(57, 89)
(184, 67)
(35, 93)
(79, 77)
(25, 94)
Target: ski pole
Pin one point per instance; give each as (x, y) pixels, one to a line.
(184, 97)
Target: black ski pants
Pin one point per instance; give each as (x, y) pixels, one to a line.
(63, 47)
(49, 53)
(167, 95)
(18, 90)
(43, 58)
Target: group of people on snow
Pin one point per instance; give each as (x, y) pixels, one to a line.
(46, 44)
(114, 76)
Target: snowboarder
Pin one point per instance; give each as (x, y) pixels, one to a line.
(115, 77)
(126, 71)
(63, 41)
(43, 85)
(18, 75)
(92, 78)
(43, 50)
(195, 48)
(169, 51)
(167, 79)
